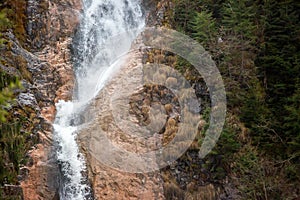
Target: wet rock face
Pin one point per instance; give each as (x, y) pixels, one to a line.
(106, 182)
(28, 100)
(49, 21)
(45, 69)
(158, 12)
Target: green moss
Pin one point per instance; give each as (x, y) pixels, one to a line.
(19, 6)
(21, 64)
(15, 11)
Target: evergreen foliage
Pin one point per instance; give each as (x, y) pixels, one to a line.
(256, 46)
(204, 28)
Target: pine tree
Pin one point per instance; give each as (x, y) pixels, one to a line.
(238, 20)
(280, 67)
(291, 123)
(204, 28)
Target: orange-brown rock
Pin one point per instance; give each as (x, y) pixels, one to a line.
(54, 79)
(107, 182)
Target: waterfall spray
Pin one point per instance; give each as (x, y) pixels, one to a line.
(101, 21)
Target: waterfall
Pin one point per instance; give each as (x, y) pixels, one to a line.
(106, 32)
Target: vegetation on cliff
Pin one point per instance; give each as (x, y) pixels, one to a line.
(14, 119)
(256, 46)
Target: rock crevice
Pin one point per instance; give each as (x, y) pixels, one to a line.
(50, 28)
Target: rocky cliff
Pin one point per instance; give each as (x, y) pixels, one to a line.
(51, 32)
(43, 62)
(109, 182)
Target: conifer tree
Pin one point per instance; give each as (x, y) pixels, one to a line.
(279, 65)
(204, 28)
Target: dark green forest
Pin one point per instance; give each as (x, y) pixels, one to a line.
(256, 46)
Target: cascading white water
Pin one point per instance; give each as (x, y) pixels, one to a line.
(107, 30)
(103, 24)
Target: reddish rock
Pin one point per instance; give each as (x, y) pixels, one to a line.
(109, 183)
(54, 80)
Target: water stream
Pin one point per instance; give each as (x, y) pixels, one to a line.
(107, 30)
